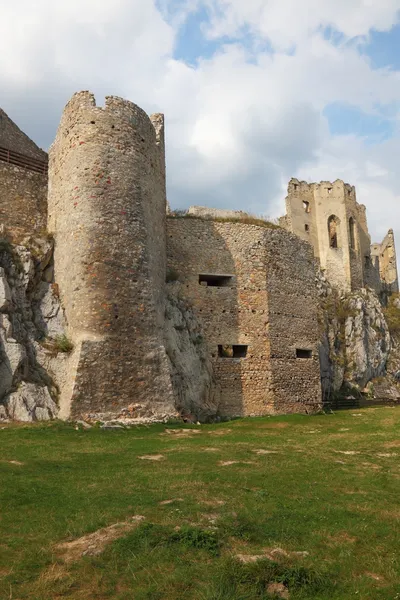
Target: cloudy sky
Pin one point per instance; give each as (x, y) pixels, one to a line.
(254, 91)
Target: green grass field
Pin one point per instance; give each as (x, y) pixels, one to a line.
(317, 498)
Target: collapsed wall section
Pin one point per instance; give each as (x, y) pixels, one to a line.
(107, 207)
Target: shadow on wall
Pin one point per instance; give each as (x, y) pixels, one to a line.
(203, 261)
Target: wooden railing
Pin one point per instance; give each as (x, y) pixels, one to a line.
(20, 160)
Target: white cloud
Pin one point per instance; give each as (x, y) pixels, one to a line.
(239, 124)
(287, 22)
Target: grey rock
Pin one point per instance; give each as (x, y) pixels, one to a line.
(193, 379)
(84, 425)
(31, 402)
(5, 292)
(3, 413)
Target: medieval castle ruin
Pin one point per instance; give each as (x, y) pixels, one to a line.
(112, 306)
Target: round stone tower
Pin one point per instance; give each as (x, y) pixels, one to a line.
(107, 211)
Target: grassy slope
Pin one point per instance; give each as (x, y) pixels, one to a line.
(343, 509)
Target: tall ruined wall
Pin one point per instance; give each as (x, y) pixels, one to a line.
(384, 263)
(237, 311)
(107, 209)
(293, 323)
(310, 210)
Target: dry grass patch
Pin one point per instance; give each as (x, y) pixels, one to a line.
(154, 457)
(95, 543)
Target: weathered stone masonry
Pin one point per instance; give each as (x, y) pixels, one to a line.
(23, 197)
(328, 216)
(265, 303)
(107, 208)
(210, 313)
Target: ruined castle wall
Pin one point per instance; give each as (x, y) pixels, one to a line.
(359, 250)
(293, 323)
(384, 257)
(301, 214)
(107, 210)
(23, 201)
(329, 202)
(236, 314)
(309, 209)
(239, 312)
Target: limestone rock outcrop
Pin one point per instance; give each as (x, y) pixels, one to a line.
(30, 314)
(355, 338)
(31, 402)
(192, 375)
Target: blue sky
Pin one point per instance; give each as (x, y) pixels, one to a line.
(254, 92)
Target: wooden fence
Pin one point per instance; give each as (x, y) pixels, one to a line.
(20, 160)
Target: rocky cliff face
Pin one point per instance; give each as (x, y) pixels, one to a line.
(30, 318)
(356, 341)
(196, 397)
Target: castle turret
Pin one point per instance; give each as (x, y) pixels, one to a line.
(107, 207)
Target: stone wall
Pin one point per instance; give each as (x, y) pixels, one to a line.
(293, 323)
(244, 297)
(12, 138)
(107, 208)
(23, 201)
(384, 263)
(310, 207)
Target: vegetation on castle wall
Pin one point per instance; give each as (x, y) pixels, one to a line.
(392, 315)
(247, 219)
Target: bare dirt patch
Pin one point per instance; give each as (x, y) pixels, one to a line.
(393, 444)
(387, 454)
(220, 432)
(348, 452)
(340, 538)
(278, 590)
(213, 502)
(375, 577)
(262, 451)
(209, 449)
(228, 463)
(172, 501)
(155, 457)
(274, 426)
(94, 543)
(272, 554)
(14, 462)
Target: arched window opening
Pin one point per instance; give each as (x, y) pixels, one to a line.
(333, 230)
(352, 233)
(306, 206)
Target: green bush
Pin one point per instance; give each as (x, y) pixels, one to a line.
(63, 344)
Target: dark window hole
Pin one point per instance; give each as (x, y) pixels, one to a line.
(303, 353)
(232, 351)
(212, 280)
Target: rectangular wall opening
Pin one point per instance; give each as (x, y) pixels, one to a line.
(232, 351)
(303, 353)
(212, 280)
